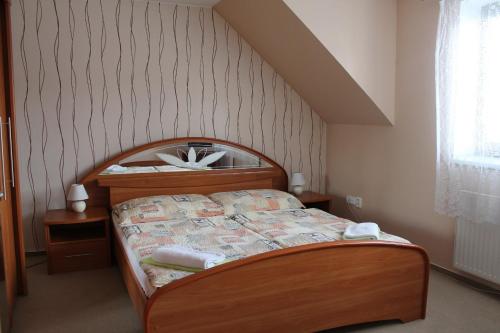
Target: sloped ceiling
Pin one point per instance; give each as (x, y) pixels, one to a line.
(276, 32)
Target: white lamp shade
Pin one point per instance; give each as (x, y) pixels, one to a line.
(298, 179)
(77, 193)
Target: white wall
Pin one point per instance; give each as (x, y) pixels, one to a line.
(393, 169)
(361, 35)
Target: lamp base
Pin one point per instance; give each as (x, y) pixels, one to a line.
(298, 189)
(78, 206)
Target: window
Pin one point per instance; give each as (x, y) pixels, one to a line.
(468, 107)
(476, 71)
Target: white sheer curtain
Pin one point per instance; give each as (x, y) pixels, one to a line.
(468, 110)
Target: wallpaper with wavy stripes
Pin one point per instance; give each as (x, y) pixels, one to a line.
(94, 78)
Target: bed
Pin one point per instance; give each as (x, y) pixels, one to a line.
(294, 287)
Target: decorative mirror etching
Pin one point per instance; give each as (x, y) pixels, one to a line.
(149, 161)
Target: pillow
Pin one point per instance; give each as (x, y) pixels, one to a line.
(165, 207)
(239, 202)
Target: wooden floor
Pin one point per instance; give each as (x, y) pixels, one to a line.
(96, 301)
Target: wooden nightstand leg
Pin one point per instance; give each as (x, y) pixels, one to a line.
(47, 249)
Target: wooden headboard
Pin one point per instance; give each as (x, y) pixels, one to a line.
(109, 190)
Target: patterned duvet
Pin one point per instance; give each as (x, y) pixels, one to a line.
(293, 227)
(216, 234)
(237, 236)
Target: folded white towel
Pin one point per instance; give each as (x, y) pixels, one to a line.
(116, 168)
(365, 230)
(187, 257)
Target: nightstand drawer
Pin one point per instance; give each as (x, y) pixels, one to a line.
(78, 256)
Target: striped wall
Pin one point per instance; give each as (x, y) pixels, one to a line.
(94, 78)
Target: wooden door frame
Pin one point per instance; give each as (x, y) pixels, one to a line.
(6, 31)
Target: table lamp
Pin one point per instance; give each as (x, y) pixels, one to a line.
(77, 195)
(297, 183)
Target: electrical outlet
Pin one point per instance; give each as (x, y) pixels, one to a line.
(355, 201)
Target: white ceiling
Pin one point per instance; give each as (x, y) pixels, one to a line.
(201, 3)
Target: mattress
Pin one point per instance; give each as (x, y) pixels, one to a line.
(137, 270)
(237, 236)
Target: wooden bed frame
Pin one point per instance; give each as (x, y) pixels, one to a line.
(301, 289)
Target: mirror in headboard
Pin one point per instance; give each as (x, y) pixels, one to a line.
(187, 156)
(213, 165)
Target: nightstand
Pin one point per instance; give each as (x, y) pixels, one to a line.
(77, 241)
(315, 200)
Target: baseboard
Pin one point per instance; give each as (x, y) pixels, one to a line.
(475, 282)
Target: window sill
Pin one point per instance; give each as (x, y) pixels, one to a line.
(478, 162)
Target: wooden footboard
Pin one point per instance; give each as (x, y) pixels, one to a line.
(301, 289)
